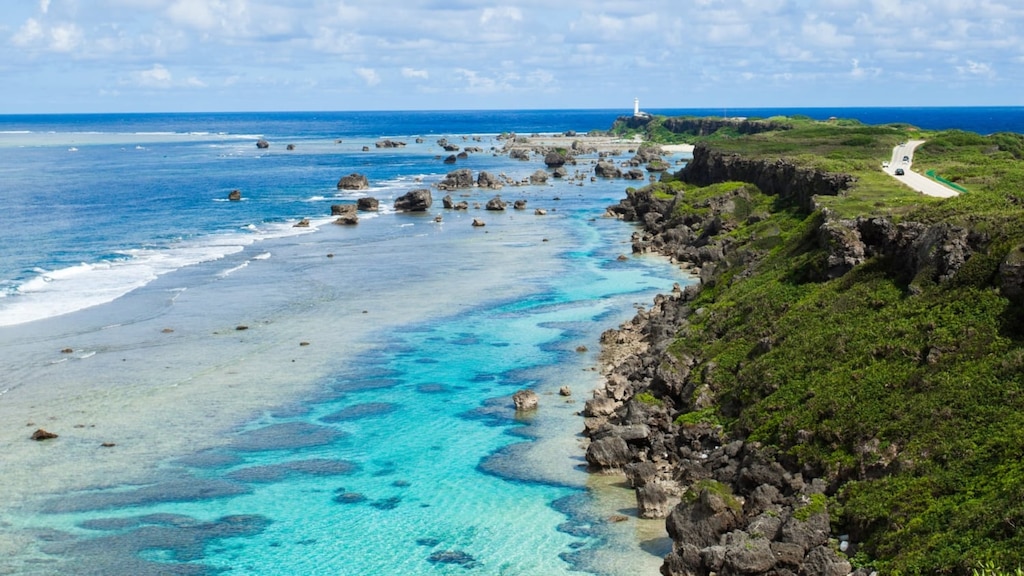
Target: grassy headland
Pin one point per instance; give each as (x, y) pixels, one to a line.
(897, 374)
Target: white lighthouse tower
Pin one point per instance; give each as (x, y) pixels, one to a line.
(636, 106)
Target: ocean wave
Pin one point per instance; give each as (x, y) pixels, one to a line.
(52, 293)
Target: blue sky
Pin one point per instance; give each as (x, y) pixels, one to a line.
(225, 55)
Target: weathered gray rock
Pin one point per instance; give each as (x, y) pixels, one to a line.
(235, 195)
(823, 561)
(539, 177)
(653, 501)
(525, 400)
(608, 452)
(746, 555)
(368, 204)
(461, 178)
(496, 204)
(487, 180)
(353, 181)
(701, 522)
(388, 143)
(343, 209)
(519, 204)
(418, 200)
(607, 170)
(554, 159)
(262, 144)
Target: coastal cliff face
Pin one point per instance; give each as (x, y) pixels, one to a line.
(779, 178)
(717, 403)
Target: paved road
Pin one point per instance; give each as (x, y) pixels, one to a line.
(918, 182)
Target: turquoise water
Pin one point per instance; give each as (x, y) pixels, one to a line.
(273, 400)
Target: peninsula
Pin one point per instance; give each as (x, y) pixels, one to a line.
(843, 391)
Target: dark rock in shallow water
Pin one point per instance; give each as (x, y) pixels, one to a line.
(368, 204)
(186, 489)
(387, 503)
(525, 400)
(286, 436)
(276, 472)
(343, 497)
(452, 557)
(353, 181)
(428, 542)
(360, 411)
(182, 540)
(608, 452)
(41, 434)
(418, 200)
(209, 460)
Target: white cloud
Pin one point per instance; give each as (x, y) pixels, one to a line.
(972, 68)
(65, 37)
(369, 75)
(30, 32)
(501, 15)
(44, 6)
(156, 77)
(416, 74)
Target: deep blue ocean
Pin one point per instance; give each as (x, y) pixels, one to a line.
(235, 394)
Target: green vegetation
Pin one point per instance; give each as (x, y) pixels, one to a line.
(648, 398)
(817, 505)
(905, 391)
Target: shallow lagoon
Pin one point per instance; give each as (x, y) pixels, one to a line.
(360, 423)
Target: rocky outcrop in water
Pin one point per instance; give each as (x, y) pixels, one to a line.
(415, 201)
(353, 181)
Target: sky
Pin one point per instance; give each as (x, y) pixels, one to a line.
(64, 56)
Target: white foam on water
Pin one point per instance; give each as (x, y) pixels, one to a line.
(57, 292)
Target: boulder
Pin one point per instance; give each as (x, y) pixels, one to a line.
(41, 434)
(701, 522)
(496, 204)
(608, 452)
(653, 501)
(348, 219)
(235, 195)
(478, 223)
(525, 400)
(554, 159)
(519, 204)
(560, 172)
(450, 159)
(565, 391)
(519, 154)
(262, 144)
(488, 180)
(304, 223)
(461, 178)
(386, 143)
(290, 147)
(823, 561)
(539, 177)
(367, 204)
(607, 170)
(342, 209)
(418, 200)
(540, 212)
(353, 181)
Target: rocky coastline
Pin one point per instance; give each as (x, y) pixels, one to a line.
(731, 506)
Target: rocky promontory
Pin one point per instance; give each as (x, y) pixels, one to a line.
(763, 409)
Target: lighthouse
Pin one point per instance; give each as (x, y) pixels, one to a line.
(636, 106)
